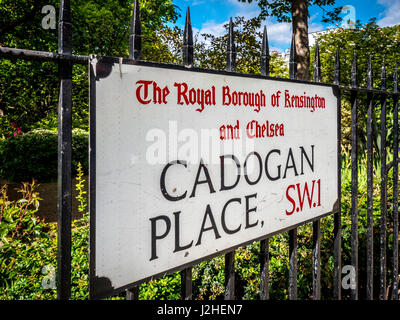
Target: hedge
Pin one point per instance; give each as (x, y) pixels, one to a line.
(33, 155)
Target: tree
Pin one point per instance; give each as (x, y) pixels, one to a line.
(29, 90)
(296, 11)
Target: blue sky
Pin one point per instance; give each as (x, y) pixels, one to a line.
(209, 16)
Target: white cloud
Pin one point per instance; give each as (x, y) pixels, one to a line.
(313, 25)
(244, 9)
(214, 28)
(241, 9)
(391, 15)
(198, 2)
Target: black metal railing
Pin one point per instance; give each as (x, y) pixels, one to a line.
(66, 59)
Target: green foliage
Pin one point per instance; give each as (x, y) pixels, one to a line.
(165, 288)
(28, 245)
(34, 155)
(80, 188)
(367, 40)
(80, 243)
(208, 279)
(29, 89)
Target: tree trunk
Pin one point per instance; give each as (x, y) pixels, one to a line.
(300, 30)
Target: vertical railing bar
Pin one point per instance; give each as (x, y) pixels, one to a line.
(186, 284)
(135, 52)
(264, 268)
(264, 244)
(186, 274)
(317, 224)
(293, 232)
(64, 182)
(383, 202)
(337, 284)
(370, 218)
(395, 295)
(293, 264)
(317, 260)
(354, 177)
(135, 36)
(230, 256)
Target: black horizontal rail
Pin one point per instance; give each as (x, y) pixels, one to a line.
(42, 56)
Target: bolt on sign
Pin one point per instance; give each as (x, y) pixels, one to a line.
(188, 164)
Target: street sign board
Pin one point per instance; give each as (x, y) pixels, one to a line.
(186, 164)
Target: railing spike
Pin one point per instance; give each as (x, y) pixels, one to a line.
(231, 50)
(369, 74)
(395, 79)
(265, 57)
(135, 37)
(337, 67)
(292, 60)
(188, 41)
(317, 64)
(354, 75)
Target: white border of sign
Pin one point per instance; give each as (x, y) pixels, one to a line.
(100, 68)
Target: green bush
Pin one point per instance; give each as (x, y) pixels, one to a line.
(28, 244)
(34, 155)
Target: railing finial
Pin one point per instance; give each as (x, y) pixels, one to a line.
(231, 49)
(317, 64)
(188, 41)
(293, 60)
